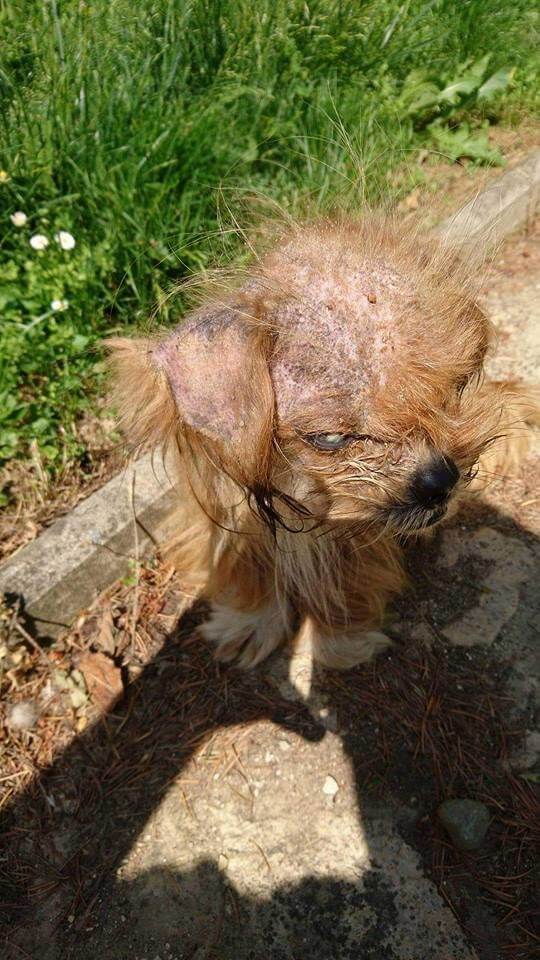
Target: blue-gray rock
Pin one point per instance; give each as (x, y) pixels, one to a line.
(466, 821)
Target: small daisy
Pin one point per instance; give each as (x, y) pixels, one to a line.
(39, 241)
(18, 218)
(4, 176)
(58, 305)
(65, 239)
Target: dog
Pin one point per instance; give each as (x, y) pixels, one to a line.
(323, 408)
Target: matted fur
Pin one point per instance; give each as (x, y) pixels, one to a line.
(345, 328)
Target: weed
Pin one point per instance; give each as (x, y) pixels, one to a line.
(125, 123)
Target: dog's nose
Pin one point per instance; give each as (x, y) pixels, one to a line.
(432, 484)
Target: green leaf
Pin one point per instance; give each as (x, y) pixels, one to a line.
(10, 270)
(426, 96)
(466, 82)
(418, 92)
(453, 91)
(41, 425)
(79, 342)
(496, 83)
(479, 67)
(8, 443)
(461, 142)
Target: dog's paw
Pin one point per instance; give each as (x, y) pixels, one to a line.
(346, 649)
(245, 637)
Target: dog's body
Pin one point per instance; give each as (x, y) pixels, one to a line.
(326, 407)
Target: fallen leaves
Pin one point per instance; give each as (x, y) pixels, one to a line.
(102, 677)
(105, 639)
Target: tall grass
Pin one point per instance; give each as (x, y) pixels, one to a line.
(126, 122)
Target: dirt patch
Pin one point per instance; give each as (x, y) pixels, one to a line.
(438, 188)
(35, 500)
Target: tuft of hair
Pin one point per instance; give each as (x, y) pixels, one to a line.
(519, 406)
(140, 393)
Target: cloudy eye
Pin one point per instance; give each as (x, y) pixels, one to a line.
(329, 441)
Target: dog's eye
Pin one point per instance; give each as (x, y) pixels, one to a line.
(329, 441)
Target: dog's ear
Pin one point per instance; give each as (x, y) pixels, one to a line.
(140, 392)
(214, 370)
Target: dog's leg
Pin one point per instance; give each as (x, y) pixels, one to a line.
(247, 622)
(245, 636)
(348, 633)
(346, 648)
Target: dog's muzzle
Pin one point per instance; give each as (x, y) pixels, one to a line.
(428, 496)
(432, 485)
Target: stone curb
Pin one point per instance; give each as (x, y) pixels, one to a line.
(63, 570)
(507, 204)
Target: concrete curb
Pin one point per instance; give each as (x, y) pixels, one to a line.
(62, 571)
(508, 204)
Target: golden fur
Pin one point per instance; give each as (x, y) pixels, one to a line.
(342, 329)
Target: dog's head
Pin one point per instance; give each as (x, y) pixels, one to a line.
(341, 383)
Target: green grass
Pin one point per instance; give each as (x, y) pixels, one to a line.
(134, 124)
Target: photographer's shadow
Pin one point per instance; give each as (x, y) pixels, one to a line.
(72, 886)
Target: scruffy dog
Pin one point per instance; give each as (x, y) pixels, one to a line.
(323, 407)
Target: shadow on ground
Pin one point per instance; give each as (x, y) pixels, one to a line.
(428, 722)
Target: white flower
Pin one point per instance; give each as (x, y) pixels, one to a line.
(65, 239)
(18, 218)
(57, 305)
(39, 241)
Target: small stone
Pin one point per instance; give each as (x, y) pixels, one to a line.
(372, 297)
(284, 745)
(529, 755)
(22, 716)
(330, 786)
(466, 821)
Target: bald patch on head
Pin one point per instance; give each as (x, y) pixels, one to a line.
(340, 330)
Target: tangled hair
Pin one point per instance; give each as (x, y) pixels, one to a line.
(302, 400)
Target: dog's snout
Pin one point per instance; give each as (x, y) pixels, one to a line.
(432, 484)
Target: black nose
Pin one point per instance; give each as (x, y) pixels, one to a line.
(432, 484)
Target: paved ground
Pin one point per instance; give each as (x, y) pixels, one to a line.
(278, 839)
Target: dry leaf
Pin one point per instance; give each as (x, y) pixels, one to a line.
(103, 678)
(105, 635)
